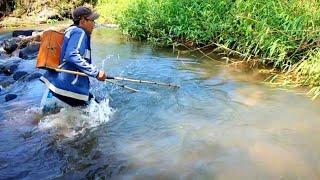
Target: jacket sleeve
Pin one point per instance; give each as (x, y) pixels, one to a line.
(72, 55)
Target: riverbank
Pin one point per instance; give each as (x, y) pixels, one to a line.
(282, 34)
(22, 13)
(281, 37)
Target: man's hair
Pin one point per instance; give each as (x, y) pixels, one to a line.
(76, 22)
(84, 12)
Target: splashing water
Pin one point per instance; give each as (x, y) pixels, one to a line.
(107, 58)
(99, 112)
(71, 121)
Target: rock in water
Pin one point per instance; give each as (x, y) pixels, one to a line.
(10, 46)
(10, 97)
(2, 68)
(29, 52)
(19, 74)
(34, 76)
(10, 69)
(22, 32)
(6, 82)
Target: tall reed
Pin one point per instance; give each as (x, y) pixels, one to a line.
(279, 32)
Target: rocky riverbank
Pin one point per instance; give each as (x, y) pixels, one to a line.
(18, 52)
(25, 13)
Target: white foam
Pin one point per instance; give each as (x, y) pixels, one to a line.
(99, 113)
(70, 121)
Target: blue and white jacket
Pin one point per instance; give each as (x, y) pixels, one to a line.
(75, 56)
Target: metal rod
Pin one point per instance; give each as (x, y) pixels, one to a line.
(123, 86)
(144, 81)
(83, 74)
(70, 72)
(121, 78)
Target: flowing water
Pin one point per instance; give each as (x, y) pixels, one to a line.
(220, 124)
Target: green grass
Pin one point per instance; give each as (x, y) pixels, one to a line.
(275, 31)
(308, 73)
(110, 10)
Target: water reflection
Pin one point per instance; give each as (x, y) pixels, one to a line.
(218, 125)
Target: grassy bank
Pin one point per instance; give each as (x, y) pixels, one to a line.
(111, 10)
(279, 32)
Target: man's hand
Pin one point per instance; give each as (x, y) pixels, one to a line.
(101, 76)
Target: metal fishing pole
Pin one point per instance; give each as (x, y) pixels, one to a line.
(123, 79)
(123, 86)
(107, 80)
(144, 81)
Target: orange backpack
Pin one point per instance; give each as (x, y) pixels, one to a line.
(50, 50)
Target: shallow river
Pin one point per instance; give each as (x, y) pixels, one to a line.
(220, 124)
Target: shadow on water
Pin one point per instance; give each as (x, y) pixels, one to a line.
(219, 124)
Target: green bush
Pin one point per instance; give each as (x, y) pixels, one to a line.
(271, 29)
(276, 31)
(308, 72)
(110, 10)
(169, 21)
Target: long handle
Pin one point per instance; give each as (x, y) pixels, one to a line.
(83, 74)
(143, 81)
(123, 86)
(70, 72)
(121, 78)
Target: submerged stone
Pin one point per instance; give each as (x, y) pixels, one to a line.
(33, 76)
(4, 54)
(10, 97)
(19, 74)
(22, 32)
(29, 52)
(9, 70)
(6, 81)
(2, 67)
(10, 46)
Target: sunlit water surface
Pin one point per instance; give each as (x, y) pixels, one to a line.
(219, 124)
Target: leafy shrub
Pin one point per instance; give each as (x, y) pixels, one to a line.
(279, 32)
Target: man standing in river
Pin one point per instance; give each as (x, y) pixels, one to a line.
(75, 56)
